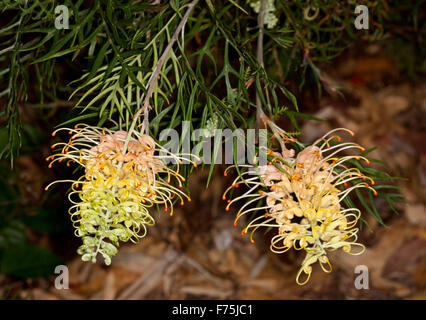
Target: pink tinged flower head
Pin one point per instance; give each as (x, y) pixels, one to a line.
(303, 197)
(123, 176)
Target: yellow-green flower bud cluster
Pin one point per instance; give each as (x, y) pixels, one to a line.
(270, 19)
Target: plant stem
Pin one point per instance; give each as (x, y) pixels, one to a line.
(259, 56)
(155, 73)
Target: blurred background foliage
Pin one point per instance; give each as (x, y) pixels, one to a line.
(100, 66)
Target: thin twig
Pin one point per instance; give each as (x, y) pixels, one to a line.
(261, 21)
(260, 115)
(161, 61)
(259, 56)
(156, 72)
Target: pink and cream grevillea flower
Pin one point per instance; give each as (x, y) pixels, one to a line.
(123, 176)
(303, 197)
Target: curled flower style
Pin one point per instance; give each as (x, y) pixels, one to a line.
(124, 176)
(303, 197)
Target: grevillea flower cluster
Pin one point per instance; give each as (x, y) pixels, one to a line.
(124, 175)
(303, 197)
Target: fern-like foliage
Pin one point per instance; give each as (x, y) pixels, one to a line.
(212, 71)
